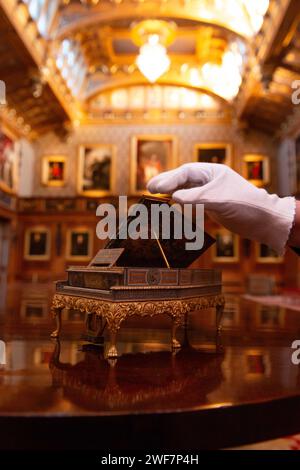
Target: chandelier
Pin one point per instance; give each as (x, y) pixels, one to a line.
(153, 36)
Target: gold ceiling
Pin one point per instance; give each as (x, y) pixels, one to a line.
(87, 46)
(86, 49)
(93, 46)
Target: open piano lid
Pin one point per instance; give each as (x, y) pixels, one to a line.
(151, 252)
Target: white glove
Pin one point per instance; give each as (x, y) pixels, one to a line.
(231, 201)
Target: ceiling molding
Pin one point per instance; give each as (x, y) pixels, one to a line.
(73, 18)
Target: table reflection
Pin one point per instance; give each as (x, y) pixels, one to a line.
(138, 381)
(41, 376)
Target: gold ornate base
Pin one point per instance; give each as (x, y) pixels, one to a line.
(114, 313)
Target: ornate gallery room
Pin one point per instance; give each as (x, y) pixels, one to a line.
(119, 330)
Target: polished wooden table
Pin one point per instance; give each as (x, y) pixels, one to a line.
(58, 395)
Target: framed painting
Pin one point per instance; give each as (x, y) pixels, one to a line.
(257, 363)
(265, 254)
(257, 169)
(96, 170)
(54, 170)
(8, 162)
(231, 315)
(150, 155)
(213, 153)
(37, 244)
(226, 248)
(79, 246)
(270, 317)
(42, 356)
(34, 310)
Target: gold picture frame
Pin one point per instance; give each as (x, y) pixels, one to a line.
(256, 169)
(9, 161)
(54, 170)
(37, 243)
(104, 156)
(265, 254)
(163, 147)
(257, 363)
(227, 247)
(222, 154)
(81, 249)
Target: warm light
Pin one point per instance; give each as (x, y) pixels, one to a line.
(189, 98)
(225, 79)
(76, 123)
(184, 68)
(153, 36)
(243, 16)
(166, 98)
(195, 77)
(258, 7)
(206, 101)
(153, 60)
(45, 72)
(256, 10)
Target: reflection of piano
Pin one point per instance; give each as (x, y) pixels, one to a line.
(140, 381)
(143, 277)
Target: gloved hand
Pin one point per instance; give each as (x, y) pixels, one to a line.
(231, 201)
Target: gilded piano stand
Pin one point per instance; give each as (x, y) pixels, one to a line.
(114, 313)
(144, 277)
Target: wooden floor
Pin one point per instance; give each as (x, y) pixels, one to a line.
(57, 395)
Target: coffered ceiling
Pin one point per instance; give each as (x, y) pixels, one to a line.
(242, 55)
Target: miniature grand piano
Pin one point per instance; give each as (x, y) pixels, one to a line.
(144, 277)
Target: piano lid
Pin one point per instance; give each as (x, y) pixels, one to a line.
(150, 252)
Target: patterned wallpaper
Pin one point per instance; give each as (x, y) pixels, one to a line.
(120, 135)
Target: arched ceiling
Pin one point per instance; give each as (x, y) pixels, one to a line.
(244, 17)
(223, 48)
(92, 45)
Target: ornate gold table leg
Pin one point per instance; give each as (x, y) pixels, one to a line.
(114, 314)
(178, 319)
(175, 343)
(56, 352)
(57, 316)
(112, 352)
